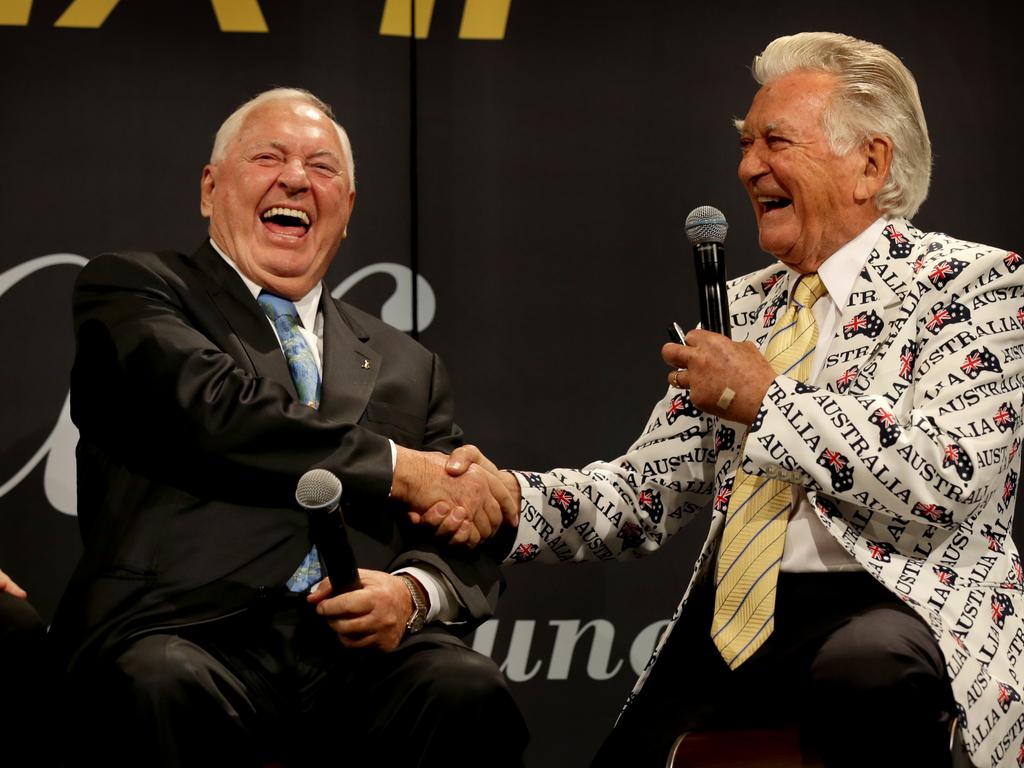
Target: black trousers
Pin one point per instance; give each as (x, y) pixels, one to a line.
(275, 686)
(26, 682)
(848, 662)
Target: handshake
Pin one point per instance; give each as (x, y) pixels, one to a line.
(463, 497)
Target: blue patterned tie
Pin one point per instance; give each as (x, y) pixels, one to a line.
(306, 377)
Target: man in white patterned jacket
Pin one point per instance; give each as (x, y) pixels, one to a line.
(890, 596)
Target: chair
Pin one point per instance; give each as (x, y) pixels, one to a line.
(768, 748)
(749, 748)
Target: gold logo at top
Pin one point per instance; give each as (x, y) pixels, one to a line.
(481, 19)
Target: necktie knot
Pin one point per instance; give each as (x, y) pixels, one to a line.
(274, 306)
(809, 290)
(300, 356)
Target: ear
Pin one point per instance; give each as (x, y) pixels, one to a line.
(206, 185)
(351, 205)
(876, 153)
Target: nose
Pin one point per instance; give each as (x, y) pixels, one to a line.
(293, 175)
(752, 163)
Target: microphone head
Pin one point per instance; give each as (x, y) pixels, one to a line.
(318, 489)
(706, 224)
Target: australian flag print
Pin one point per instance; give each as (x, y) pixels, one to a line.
(978, 361)
(1007, 695)
(771, 312)
(933, 513)
(888, 429)
(955, 456)
(567, 505)
(863, 324)
(725, 438)
(954, 312)
(1009, 486)
(1012, 261)
(945, 574)
(1005, 418)
(945, 271)
(826, 508)
(839, 468)
(767, 285)
(721, 502)
(995, 540)
(525, 552)
(1002, 607)
(881, 551)
(650, 502)
(680, 405)
(907, 357)
(899, 246)
(846, 378)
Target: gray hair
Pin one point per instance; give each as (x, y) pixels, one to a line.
(876, 94)
(230, 127)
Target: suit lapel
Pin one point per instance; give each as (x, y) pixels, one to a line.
(865, 326)
(776, 297)
(350, 364)
(250, 327)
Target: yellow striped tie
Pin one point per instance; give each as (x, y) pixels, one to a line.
(759, 508)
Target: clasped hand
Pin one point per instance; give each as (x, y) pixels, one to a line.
(462, 497)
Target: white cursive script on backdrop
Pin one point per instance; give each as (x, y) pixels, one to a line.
(59, 448)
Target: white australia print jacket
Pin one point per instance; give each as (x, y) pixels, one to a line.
(907, 442)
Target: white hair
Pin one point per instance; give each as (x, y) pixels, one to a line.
(230, 127)
(875, 95)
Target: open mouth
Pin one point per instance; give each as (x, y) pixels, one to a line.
(773, 203)
(286, 221)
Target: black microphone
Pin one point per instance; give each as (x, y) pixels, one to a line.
(319, 493)
(706, 228)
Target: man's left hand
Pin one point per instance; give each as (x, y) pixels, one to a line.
(726, 378)
(373, 616)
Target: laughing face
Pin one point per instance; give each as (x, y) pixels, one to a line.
(807, 200)
(279, 199)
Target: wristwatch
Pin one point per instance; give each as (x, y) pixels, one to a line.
(419, 604)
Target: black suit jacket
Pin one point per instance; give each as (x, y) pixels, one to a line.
(192, 441)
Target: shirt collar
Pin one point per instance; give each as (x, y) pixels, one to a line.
(307, 306)
(840, 270)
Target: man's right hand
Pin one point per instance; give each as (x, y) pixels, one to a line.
(465, 508)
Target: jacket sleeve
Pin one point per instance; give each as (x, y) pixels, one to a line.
(627, 507)
(936, 439)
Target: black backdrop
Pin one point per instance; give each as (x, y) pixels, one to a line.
(536, 183)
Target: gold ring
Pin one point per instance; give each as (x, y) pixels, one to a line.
(675, 379)
(725, 399)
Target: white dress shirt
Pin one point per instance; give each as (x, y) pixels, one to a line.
(444, 604)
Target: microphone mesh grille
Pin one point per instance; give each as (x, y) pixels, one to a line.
(318, 488)
(706, 224)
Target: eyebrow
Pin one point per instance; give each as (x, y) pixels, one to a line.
(741, 126)
(318, 153)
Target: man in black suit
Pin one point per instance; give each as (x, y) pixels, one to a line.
(188, 629)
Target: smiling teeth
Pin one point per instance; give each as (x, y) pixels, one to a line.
(762, 199)
(301, 215)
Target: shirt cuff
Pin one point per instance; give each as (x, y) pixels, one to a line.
(394, 463)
